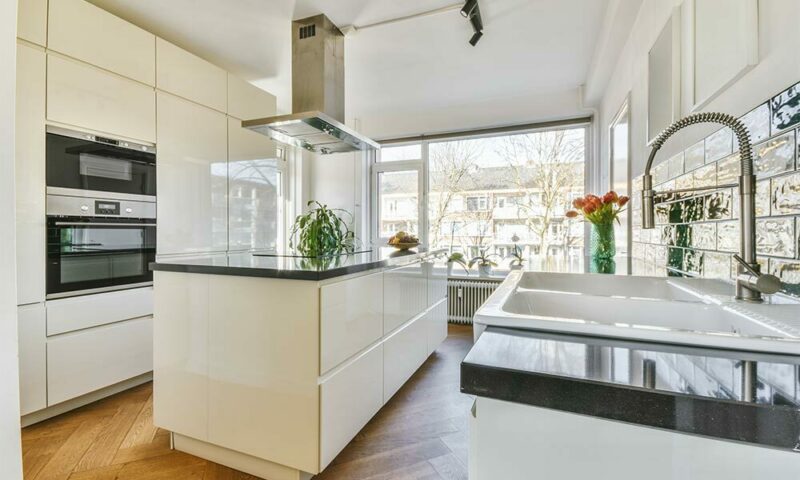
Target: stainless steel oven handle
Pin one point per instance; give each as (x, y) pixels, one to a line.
(97, 224)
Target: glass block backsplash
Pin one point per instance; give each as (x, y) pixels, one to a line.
(696, 234)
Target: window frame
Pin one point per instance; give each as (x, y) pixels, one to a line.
(422, 167)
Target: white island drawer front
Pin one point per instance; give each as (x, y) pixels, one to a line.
(436, 325)
(76, 313)
(349, 400)
(84, 96)
(403, 353)
(351, 318)
(82, 362)
(405, 295)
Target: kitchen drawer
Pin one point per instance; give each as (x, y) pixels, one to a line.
(83, 31)
(348, 401)
(189, 76)
(248, 102)
(405, 295)
(437, 281)
(32, 21)
(32, 358)
(84, 96)
(351, 318)
(77, 313)
(82, 362)
(403, 353)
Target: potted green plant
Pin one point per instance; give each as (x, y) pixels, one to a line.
(322, 232)
(484, 262)
(516, 258)
(456, 258)
(601, 213)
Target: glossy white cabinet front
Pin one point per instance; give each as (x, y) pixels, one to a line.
(32, 21)
(192, 177)
(189, 76)
(81, 95)
(405, 295)
(253, 189)
(86, 311)
(30, 174)
(247, 102)
(84, 361)
(32, 358)
(86, 32)
(351, 318)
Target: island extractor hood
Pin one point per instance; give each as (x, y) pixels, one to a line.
(317, 123)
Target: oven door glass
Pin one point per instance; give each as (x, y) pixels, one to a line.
(98, 253)
(85, 165)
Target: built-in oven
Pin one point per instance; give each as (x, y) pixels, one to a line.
(101, 213)
(97, 244)
(81, 162)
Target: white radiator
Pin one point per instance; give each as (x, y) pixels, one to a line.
(466, 296)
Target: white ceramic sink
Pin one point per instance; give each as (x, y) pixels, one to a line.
(677, 311)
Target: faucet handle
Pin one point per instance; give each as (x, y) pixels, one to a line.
(746, 266)
(764, 283)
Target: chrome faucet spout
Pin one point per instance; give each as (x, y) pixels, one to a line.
(750, 283)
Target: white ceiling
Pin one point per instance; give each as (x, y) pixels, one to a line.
(530, 48)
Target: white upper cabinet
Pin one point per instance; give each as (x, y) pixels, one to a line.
(247, 102)
(192, 177)
(253, 189)
(189, 76)
(32, 21)
(84, 96)
(83, 31)
(30, 175)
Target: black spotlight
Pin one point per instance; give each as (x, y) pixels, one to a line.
(472, 12)
(469, 8)
(475, 37)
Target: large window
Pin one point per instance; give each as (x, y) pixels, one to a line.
(490, 193)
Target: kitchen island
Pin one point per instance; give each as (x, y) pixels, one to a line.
(272, 364)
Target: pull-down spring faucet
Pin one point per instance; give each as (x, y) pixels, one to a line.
(750, 282)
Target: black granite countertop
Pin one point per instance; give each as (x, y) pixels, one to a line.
(273, 265)
(690, 390)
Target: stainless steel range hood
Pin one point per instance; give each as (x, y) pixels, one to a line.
(317, 123)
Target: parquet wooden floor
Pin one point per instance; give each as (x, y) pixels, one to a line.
(420, 434)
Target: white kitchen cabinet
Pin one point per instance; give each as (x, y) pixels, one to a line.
(82, 362)
(437, 281)
(436, 326)
(253, 189)
(351, 318)
(32, 21)
(81, 30)
(30, 174)
(343, 413)
(247, 102)
(405, 295)
(32, 358)
(192, 177)
(81, 95)
(403, 353)
(86, 311)
(189, 76)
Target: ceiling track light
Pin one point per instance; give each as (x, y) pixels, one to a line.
(472, 12)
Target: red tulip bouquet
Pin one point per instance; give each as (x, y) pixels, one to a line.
(601, 213)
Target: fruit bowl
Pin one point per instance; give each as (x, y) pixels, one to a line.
(404, 246)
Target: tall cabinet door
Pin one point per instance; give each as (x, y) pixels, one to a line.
(192, 177)
(32, 358)
(30, 174)
(254, 189)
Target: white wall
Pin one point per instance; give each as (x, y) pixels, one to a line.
(778, 68)
(10, 450)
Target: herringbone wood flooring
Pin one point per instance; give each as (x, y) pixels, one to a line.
(420, 434)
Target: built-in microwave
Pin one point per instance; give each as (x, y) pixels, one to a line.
(80, 162)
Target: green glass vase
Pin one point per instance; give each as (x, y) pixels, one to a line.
(602, 245)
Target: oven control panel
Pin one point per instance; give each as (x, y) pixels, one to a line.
(105, 207)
